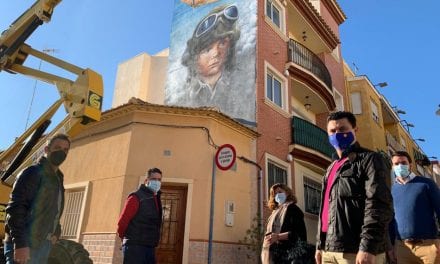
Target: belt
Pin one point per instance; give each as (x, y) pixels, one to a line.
(413, 241)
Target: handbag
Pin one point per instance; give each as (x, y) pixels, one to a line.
(290, 253)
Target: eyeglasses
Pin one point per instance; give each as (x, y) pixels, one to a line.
(230, 13)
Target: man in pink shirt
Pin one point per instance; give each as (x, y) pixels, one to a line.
(356, 204)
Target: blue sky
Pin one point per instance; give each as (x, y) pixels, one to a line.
(390, 41)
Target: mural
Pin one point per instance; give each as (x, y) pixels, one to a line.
(212, 57)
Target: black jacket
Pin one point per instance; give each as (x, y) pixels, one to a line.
(144, 227)
(31, 214)
(360, 204)
(294, 224)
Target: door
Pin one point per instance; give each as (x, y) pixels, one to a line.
(170, 249)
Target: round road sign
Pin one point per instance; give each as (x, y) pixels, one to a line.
(225, 157)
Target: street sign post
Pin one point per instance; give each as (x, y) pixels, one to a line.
(225, 157)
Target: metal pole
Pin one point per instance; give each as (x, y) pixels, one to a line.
(211, 212)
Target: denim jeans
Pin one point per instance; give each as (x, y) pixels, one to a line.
(136, 254)
(37, 255)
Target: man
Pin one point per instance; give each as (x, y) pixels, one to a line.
(141, 220)
(34, 210)
(356, 205)
(210, 57)
(416, 202)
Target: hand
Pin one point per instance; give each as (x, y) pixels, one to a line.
(53, 240)
(21, 255)
(318, 257)
(365, 258)
(271, 238)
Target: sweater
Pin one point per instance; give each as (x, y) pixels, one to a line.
(415, 204)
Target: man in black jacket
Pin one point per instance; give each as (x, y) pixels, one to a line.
(356, 204)
(34, 210)
(141, 220)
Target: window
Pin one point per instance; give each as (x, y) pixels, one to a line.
(339, 100)
(374, 111)
(312, 196)
(275, 174)
(72, 216)
(273, 12)
(273, 89)
(356, 103)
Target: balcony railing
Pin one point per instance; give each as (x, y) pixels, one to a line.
(305, 58)
(308, 135)
(392, 142)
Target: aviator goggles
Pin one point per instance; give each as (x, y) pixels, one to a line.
(230, 13)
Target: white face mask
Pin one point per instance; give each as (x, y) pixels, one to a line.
(280, 198)
(154, 185)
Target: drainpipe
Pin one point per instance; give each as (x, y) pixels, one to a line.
(259, 192)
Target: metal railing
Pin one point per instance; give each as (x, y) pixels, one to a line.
(311, 136)
(305, 58)
(392, 142)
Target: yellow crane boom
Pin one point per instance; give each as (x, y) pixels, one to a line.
(82, 97)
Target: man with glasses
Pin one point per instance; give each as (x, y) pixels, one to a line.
(141, 220)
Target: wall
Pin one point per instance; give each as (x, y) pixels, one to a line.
(143, 77)
(117, 152)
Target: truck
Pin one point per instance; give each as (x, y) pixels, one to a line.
(81, 98)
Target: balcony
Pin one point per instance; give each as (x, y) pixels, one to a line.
(420, 158)
(313, 141)
(311, 77)
(393, 143)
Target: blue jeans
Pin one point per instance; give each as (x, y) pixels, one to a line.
(136, 254)
(37, 255)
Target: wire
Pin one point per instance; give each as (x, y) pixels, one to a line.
(205, 129)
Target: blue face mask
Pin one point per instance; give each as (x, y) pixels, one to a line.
(401, 170)
(154, 185)
(280, 198)
(341, 140)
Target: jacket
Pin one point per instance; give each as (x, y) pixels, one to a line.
(360, 204)
(36, 205)
(144, 227)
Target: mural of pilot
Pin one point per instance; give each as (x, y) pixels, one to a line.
(195, 3)
(210, 58)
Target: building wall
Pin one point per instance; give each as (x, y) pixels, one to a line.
(143, 77)
(370, 134)
(116, 154)
(329, 19)
(271, 48)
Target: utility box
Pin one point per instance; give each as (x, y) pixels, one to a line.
(229, 213)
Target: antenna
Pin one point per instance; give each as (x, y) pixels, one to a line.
(355, 68)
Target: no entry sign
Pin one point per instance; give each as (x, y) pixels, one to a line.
(225, 157)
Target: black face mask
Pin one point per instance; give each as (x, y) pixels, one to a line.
(57, 157)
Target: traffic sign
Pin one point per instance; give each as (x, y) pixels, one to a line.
(225, 157)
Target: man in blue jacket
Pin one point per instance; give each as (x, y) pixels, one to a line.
(416, 202)
(34, 210)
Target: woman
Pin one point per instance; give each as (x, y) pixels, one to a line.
(285, 237)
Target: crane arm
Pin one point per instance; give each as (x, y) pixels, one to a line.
(82, 97)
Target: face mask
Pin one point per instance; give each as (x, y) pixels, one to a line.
(154, 185)
(57, 157)
(401, 170)
(280, 198)
(341, 140)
